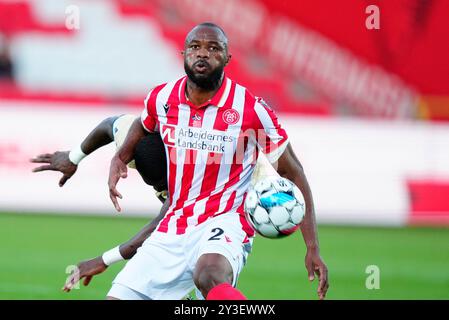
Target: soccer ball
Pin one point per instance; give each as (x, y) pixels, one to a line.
(274, 207)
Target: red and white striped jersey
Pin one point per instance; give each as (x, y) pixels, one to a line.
(211, 150)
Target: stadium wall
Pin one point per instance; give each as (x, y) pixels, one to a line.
(361, 172)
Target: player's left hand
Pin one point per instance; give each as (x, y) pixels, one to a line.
(57, 161)
(315, 265)
(85, 270)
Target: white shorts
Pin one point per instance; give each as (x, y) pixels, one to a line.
(163, 268)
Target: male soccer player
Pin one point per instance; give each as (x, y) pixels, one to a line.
(150, 162)
(212, 129)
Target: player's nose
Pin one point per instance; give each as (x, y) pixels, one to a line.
(203, 53)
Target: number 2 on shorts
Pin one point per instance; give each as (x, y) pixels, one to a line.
(219, 232)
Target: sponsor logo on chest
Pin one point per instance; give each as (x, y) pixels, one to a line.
(200, 139)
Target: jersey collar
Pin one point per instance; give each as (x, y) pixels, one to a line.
(218, 99)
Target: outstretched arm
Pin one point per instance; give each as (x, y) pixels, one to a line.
(63, 162)
(123, 156)
(89, 268)
(129, 248)
(289, 167)
(100, 136)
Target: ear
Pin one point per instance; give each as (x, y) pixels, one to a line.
(228, 58)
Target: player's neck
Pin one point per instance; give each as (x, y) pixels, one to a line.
(197, 95)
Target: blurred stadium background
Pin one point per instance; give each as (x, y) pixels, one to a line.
(367, 112)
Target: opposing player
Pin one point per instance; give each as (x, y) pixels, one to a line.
(212, 129)
(149, 154)
(150, 162)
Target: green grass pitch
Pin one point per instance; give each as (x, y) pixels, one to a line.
(36, 249)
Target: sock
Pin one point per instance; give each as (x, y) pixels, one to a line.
(224, 291)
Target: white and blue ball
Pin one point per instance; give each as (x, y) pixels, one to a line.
(275, 207)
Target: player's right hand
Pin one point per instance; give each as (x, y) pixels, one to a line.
(57, 161)
(315, 265)
(117, 170)
(86, 270)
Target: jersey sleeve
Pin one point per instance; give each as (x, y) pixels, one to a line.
(120, 129)
(149, 115)
(271, 137)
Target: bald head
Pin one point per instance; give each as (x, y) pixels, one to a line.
(207, 30)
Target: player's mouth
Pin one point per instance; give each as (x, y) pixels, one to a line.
(201, 66)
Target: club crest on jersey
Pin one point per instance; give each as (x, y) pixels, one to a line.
(231, 116)
(196, 120)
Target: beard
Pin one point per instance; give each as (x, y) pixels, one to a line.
(208, 82)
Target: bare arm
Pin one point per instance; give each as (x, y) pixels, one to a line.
(289, 167)
(59, 160)
(129, 248)
(123, 156)
(100, 136)
(89, 268)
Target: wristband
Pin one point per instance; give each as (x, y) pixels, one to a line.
(76, 155)
(112, 256)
